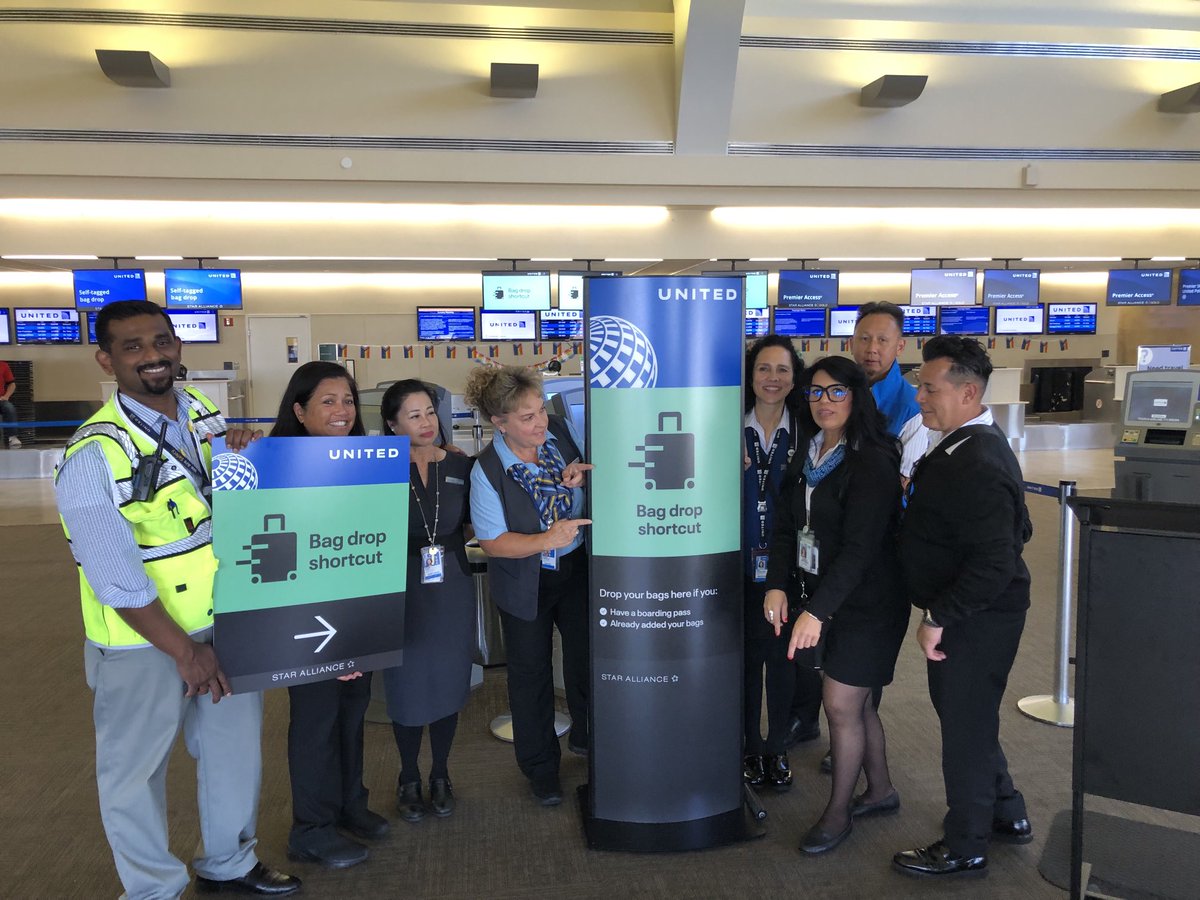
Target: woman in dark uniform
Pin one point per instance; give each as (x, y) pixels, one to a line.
(432, 684)
(835, 539)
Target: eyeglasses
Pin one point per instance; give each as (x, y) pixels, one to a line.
(835, 392)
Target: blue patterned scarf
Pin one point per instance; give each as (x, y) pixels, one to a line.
(545, 489)
(814, 475)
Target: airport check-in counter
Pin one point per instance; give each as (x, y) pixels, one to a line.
(1158, 446)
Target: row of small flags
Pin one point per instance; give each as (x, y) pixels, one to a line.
(491, 351)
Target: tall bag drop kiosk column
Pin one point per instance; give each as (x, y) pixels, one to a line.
(665, 363)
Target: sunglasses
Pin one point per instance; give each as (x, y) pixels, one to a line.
(835, 392)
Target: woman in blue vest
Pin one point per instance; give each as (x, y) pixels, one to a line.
(526, 500)
(325, 735)
(432, 685)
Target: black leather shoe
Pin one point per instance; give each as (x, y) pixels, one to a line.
(441, 797)
(409, 802)
(1012, 831)
(547, 789)
(753, 772)
(327, 848)
(364, 824)
(577, 742)
(937, 859)
(886, 806)
(801, 732)
(827, 763)
(818, 840)
(779, 773)
(259, 880)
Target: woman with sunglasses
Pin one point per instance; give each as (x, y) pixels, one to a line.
(834, 543)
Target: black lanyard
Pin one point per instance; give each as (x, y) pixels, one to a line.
(178, 455)
(763, 471)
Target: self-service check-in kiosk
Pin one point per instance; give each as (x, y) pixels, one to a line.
(1158, 446)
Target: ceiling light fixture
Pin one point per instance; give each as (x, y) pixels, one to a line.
(891, 91)
(134, 68)
(1182, 100)
(514, 80)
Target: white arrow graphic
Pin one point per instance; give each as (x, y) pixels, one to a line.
(328, 634)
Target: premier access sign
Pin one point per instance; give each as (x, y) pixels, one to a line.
(311, 537)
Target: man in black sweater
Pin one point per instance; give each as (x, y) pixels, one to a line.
(960, 548)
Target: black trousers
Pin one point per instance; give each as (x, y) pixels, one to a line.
(325, 752)
(562, 602)
(763, 650)
(966, 689)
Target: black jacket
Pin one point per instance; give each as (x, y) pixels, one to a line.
(965, 526)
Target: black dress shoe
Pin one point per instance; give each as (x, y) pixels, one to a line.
(779, 773)
(1012, 831)
(259, 880)
(827, 763)
(326, 847)
(577, 742)
(441, 797)
(818, 840)
(801, 732)
(937, 859)
(886, 806)
(753, 771)
(362, 823)
(546, 789)
(409, 802)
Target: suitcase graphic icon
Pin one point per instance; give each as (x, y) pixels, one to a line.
(272, 553)
(668, 457)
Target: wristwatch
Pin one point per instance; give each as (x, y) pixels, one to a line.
(928, 619)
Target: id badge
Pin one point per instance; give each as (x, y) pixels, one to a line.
(550, 560)
(433, 567)
(808, 552)
(759, 557)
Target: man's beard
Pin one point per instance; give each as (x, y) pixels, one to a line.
(159, 389)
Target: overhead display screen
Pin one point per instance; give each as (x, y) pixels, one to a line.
(510, 325)
(446, 323)
(919, 319)
(1011, 287)
(965, 320)
(842, 320)
(756, 286)
(800, 322)
(1020, 319)
(5, 327)
(1139, 287)
(1160, 402)
(203, 288)
(942, 287)
(46, 326)
(758, 322)
(96, 287)
(91, 327)
(1189, 287)
(560, 325)
(570, 287)
(807, 287)
(516, 291)
(1071, 318)
(195, 326)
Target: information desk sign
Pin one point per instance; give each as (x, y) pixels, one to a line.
(311, 536)
(665, 435)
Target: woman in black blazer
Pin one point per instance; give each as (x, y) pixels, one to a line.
(834, 551)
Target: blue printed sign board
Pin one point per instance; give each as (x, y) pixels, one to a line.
(665, 436)
(1139, 287)
(311, 537)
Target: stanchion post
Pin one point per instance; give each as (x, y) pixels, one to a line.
(1058, 708)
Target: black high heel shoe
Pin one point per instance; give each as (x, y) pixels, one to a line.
(779, 772)
(753, 772)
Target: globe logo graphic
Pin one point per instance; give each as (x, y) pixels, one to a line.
(233, 472)
(620, 354)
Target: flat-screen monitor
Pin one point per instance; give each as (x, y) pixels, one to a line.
(560, 325)
(446, 323)
(1020, 319)
(195, 326)
(756, 286)
(91, 326)
(1071, 318)
(1011, 287)
(507, 325)
(1159, 401)
(1163, 356)
(758, 322)
(1139, 287)
(807, 287)
(516, 291)
(46, 326)
(919, 320)
(942, 287)
(203, 288)
(570, 287)
(1189, 287)
(5, 327)
(96, 287)
(804, 322)
(964, 320)
(842, 320)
